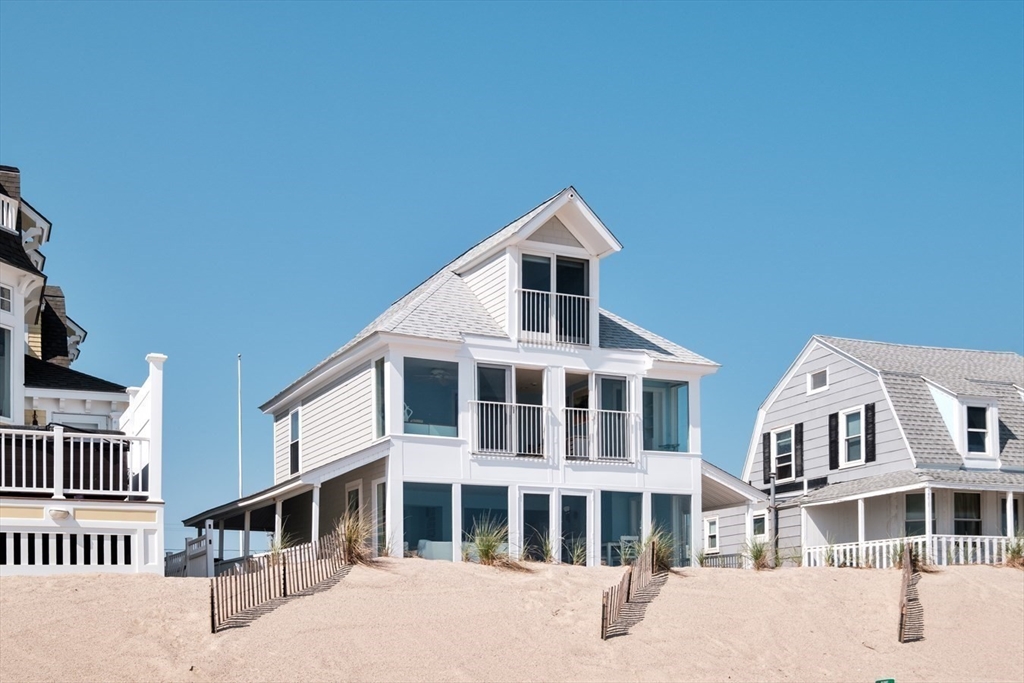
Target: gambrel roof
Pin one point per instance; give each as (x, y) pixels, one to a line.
(905, 372)
(443, 307)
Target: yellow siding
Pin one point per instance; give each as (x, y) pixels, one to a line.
(112, 515)
(13, 512)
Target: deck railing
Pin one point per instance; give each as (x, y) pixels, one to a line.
(552, 318)
(946, 549)
(38, 551)
(64, 464)
(608, 435)
(509, 429)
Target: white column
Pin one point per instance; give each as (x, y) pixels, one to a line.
(457, 523)
(220, 540)
(394, 491)
(928, 530)
(516, 538)
(245, 534)
(315, 530)
(693, 395)
(860, 531)
(646, 523)
(594, 529)
(156, 425)
(278, 520)
(555, 524)
(803, 533)
(1010, 521)
(58, 462)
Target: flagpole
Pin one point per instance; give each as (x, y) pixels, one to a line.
(241, 534)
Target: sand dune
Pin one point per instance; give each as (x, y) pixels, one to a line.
(418, 620)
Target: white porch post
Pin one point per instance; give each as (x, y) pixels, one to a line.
(156, 426)
(1010, 521)
(315, 530)
(860, 531)
(803, 535)
(278, 520)
(928, 530)
(220, 540)
(58, 462)
(208, 531)
(457, 523)
(245, 534)
(646, 523)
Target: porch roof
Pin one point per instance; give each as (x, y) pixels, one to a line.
(881, 484)
(231, 512)
(719, 489)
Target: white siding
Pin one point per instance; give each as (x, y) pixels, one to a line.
(789, 532)
(555, 232)
(732, 529)
(849, 386)
(489, 281)
(297, 511)
(281, 428)
(338, 420)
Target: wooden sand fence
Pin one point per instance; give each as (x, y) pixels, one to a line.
(636, 578)
(259, 580)
(908, 574)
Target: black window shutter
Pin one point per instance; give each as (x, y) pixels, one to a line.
(869, 432)
(766, 456)
(798, 450)
(833, 441)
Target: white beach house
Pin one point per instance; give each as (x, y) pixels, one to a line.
(498, 388)
(871, 445)
(80, 457)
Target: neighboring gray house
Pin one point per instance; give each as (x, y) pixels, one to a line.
(871, 443)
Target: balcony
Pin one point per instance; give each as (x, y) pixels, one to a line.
(56, 464)
(554, 319)
(600, 435)
(509, 429)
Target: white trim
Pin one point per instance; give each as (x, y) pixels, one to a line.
(773, 444)
(741, 487)
(380, 420)
(296, 415)
(828, 379)
(97, 421)
(991, 407)
(708, 550)
(375, 503)
(764, 516)
(844, 462)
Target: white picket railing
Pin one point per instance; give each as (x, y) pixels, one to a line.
(508, 429)
(72, 463)
(40, 552)
(8, 213)
(195, 560)
(946, 549)
(592, 434)
(551, 318)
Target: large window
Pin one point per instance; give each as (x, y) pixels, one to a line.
(484, 506)
(431, 397)
(666, 413)
(380, 410)
(670, 514)
(914, 522)
(851, 441)
(569, 280)
(428, 520)
(293, 448)
(5, 372)
(620, 526)
(967, 514)
(782, 454)
(977, 429)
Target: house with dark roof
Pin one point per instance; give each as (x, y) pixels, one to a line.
(865, 446)
(497, 390)
(80, 456)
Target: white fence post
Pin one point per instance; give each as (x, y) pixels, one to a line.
(58, 461)
(156, 424)
(209, 547)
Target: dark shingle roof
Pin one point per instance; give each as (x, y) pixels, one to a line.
(12, 253)
(42, 375)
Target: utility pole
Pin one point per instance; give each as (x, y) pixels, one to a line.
(241, 534)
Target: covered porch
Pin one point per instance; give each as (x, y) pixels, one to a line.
(303, 508)
(948, 517)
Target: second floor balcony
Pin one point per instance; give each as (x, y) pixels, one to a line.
(552, 318)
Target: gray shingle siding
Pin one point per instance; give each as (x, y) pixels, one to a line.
(732, 528)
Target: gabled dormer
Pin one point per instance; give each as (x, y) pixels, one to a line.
(539, 277)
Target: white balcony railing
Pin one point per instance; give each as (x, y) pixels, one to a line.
(509, 429)
(65, 464)
(550, 318)
(946, 549)
(592, 434)
(8, 213)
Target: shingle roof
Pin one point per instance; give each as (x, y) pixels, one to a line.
(1011, 480)
(12, 253)
(443, 307)
(42, 375)
(903, 370)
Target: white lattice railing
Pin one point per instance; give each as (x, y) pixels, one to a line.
(592, 434)
(509, 429)
(71, 463)
(946, 549)
(550, 318)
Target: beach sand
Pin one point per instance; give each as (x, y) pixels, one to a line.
(416, 620)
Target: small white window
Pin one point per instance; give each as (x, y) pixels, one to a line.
(293, 448)
(977, 429)
(6, 301)
(782, 454)
(817, 381)
(851, 444)
(353, 497)
(711, 535)
(760, 526)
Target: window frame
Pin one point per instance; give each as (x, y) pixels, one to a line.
(682, 429)
(708, 550)
(844, 461)
(407, 412)
(357, 486)
(810, 391)
(792, 453)
(9, 299)
(100, 422)
(295, 420)
(380, 405)
(9, 419)
(987, 453)
(924, 518)
(979, 519)
(753, 519)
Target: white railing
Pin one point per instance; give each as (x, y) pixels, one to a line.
(592, 434)
(195, 560)
(39, 552)
(550, 318)
(70, 463)
(8, 213)
(945, 550)
(508, 429)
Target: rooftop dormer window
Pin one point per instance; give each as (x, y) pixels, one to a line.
(977, 430)
(554, 300)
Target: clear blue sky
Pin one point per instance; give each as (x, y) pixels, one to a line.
(266, 178)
